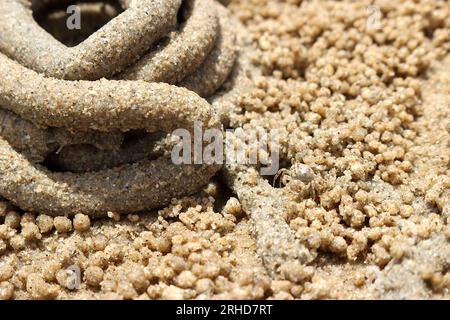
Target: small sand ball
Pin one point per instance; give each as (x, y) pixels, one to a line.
(99, 259)
(133, 218)
(114, 215)
(17, 242)
(100, 242)
(359, 279)
(39, 289)
(114, 252)
(212, 189)
(296, 272)
(12, 219)
(6, 271)
(281, 285)
(5, 232)
(339, 244)
(81, 222)
(406, 211)
(45, 223)
(93, 276)
(50, 270)
(233, 207)
(62, 224)
(204, 285)
(27, 217)
(31, 232)
(186, 279)
(138, 279)
(172, 293)
(6, 290)
(126, 290)
(296, 291)
(161, 244)
(399, 249)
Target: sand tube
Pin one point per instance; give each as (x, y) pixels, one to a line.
(185, 51)
(205, 47)
(129, 188)
(112, 48)
(104, 106)
(187, 47)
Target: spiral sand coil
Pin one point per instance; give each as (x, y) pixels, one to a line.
(60, 97)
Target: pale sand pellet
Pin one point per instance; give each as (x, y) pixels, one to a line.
(201, 21)
(216, 67)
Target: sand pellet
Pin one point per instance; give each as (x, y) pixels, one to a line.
(81, 222)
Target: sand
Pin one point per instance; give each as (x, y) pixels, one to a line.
(365, 108)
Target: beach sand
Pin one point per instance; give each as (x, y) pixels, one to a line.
(360, 93)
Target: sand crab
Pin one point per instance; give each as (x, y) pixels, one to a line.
(298, 172)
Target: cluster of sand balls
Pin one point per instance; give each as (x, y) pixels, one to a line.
(349, 103)
(142, 74)
(134, 258)
(346, 99)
